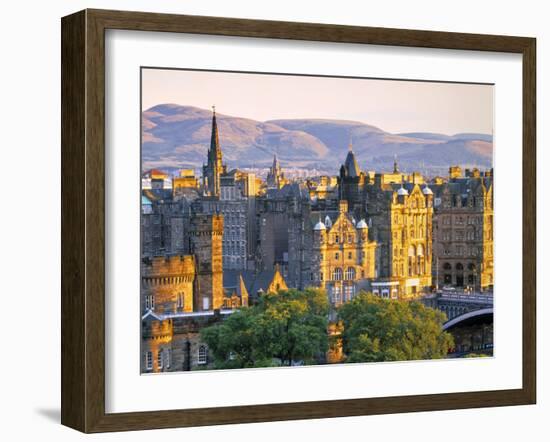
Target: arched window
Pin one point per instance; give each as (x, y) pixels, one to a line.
(420, 259)
(203, 354)
(471, 267)
(459, 266)
(447, 266)
(412, 260)
(337, 274)
(350, 273)
(149, 360)
(159, 359)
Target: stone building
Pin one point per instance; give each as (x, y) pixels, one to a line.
(343, 257)
(283, 224)
(162, 223)
(401, 220)
(171, 342)
(250, 285)
(463, 230)
(206, 246)
(167, 284)
(184, 182)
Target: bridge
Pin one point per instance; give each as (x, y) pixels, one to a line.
(470, 320)
(455, 303)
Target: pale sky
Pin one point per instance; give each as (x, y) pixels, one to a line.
(392, 105)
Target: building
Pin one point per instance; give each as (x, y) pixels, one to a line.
(171, 342)
(206, 246)
(463, 230)
(214, 168)
(185, 181)
(249, 285)
(283, 227)
(401, 220)
(167, 284)
(343, 257)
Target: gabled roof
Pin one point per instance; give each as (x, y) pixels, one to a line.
(254, 282)
(151, 316)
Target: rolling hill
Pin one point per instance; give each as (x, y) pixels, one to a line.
(175, 136)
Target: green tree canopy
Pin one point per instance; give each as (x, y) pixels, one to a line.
(284, 327)
(377, 329)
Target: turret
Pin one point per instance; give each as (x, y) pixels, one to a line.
(402, 194)
(363, 230)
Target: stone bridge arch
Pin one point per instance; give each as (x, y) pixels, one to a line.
(466, 316)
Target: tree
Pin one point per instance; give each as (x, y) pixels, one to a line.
(377, 329)
(283, 328)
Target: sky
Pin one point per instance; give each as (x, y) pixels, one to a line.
(395, 106)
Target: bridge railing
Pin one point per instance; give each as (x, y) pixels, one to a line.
(462, 297)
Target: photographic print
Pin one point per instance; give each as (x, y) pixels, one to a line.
(295, 220)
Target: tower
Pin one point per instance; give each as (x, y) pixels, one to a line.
(319, 266)
(275, 176)
(206, 246)
(213, 169)
(351, 180)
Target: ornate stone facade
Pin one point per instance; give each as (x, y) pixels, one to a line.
(463, 242)
(343, 257)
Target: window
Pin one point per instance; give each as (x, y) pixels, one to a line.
(205, 303)
(337, 274)
(336, 239)
(349, 292)
(149, 360)
(180, 300)
(203, 355)
(336, 255)
(336, 294)
(168, 357)
(350, 255)
(159, 359)
(150, 302)
(350, 273)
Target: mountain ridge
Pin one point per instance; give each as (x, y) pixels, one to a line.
(178, 136)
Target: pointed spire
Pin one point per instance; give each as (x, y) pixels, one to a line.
(215, 150)
(395, 167)
(350, 146)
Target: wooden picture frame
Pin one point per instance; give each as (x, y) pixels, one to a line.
(83, 220)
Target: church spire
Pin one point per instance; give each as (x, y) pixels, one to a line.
(215, 150)
(395, 167)
(214, 168)
(350, 146)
